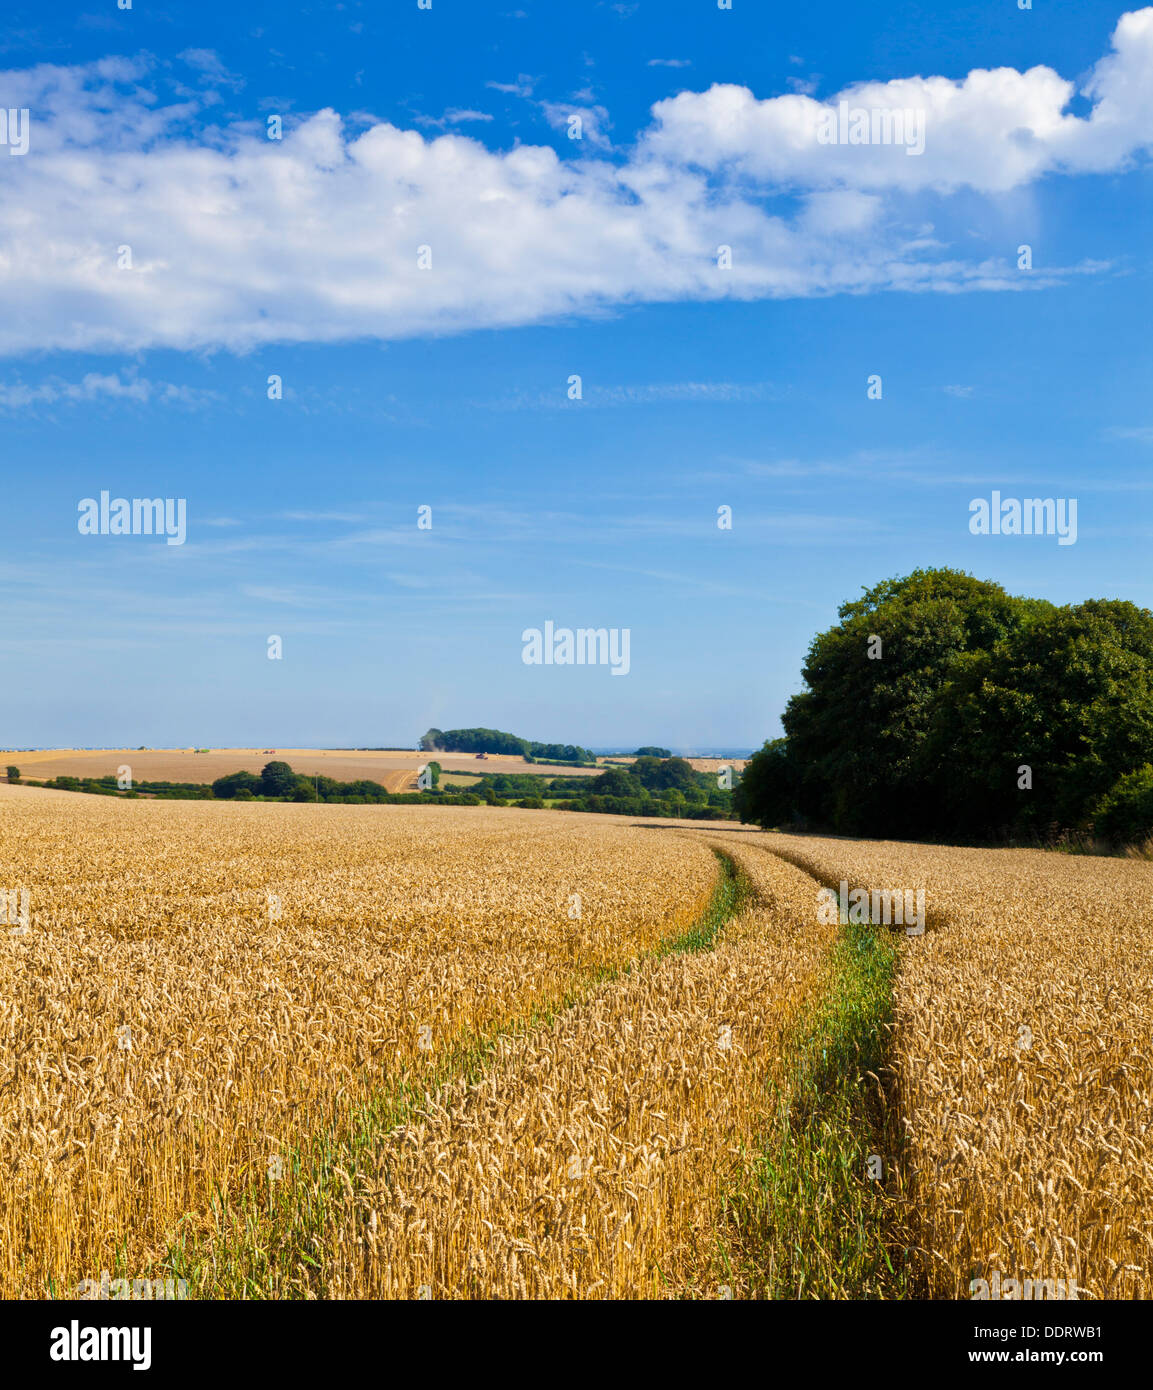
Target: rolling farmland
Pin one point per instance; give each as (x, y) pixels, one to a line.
(290, 1051)
(394, 768)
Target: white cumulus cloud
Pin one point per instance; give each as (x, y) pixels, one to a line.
(238, 240)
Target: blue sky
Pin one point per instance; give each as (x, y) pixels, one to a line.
(551, 257)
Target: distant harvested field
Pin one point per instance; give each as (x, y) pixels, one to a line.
(697, 764)
(394, 768)
(713, 764)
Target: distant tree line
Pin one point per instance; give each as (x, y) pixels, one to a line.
(654, 786)
(107, 786)
(278, 782)
(939, 706)
(649, 787)
(498, 742)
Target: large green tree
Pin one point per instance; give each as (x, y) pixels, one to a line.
(234, 783)
(617, 781)
(856, 735)
(940, 705)
(1031, 734)
(767, 791)
(277, 779)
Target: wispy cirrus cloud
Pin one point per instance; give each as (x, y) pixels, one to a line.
(320, 516)
(211, 69)
(97, 386)
(522, 87)
(653, 393)
(1143, 434)
(453, 117)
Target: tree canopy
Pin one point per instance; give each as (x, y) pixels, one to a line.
(497, 741)
(941, 705)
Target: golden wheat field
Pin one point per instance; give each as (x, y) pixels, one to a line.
(590, 1159)
(196, 991)
(414, 1052)
(1024, 1060)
